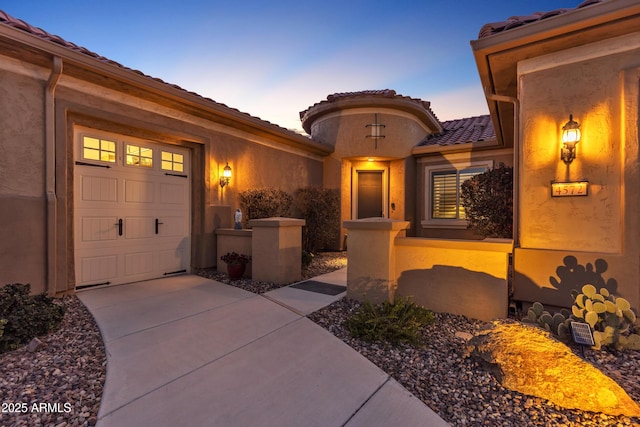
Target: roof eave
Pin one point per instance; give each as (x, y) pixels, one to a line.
(406, 105)
(166, 90)
(538, 32)
(424, 150)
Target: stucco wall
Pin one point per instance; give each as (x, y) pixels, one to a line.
(258, 159)
(598, 84)
(455, 276)
(347, 130)
(22, 200)
(452, 276)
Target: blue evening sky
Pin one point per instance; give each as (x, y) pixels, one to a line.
(273, 59)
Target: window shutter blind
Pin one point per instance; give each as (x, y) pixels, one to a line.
(444, 195)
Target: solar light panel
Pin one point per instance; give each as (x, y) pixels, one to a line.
(582, 333)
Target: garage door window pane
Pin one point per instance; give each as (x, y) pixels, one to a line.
(172, 161)
(139, 156)
(98, 149)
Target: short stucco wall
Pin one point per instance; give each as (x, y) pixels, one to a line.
(231, 240)
(464, 277)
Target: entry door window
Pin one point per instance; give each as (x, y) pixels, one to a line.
(370, 194)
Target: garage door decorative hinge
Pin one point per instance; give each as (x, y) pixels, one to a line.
(175, 272)
(91, 286)
(91, 164)
(176, 174)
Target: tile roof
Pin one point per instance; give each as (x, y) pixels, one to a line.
(518, 21)
(6, 19)
(462, 131)
(384, 93)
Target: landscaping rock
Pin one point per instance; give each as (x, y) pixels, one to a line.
(466, 336)
(528, 360)
(34, 345)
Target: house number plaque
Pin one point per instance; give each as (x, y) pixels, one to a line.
(569, 189)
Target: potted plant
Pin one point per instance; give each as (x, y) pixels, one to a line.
(236, 264)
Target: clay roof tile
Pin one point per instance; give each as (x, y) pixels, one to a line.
(462, 131)
(386, 93)
(518, 21)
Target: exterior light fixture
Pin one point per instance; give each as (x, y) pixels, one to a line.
(375, 130)
(570, 137)
(226, 175)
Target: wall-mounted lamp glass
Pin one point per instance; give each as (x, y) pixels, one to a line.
(226, 175)
(570, 137)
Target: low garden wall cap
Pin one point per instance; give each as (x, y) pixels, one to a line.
(232, 232)
(376, 224)
(277, 222)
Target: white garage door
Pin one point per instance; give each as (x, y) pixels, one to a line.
(131, 210)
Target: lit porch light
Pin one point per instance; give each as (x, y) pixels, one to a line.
(570, 137)
(226, 176)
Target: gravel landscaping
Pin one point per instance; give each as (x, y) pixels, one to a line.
(323, 262)
(60, 382)
(460, 391)
(67, 372)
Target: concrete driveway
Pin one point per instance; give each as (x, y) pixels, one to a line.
(188, 351)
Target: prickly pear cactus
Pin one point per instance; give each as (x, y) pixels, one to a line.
(611, 318)
(557, 324)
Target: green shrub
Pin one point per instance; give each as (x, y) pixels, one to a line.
(395, 323)
(488, 202)
(264, 203)
(25, 316)
(320, 208)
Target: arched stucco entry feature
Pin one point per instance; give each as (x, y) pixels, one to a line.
(373, 134)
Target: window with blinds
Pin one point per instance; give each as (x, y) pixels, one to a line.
(445, 192)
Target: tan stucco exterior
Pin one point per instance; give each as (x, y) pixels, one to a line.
(454, 276)
(603, 96)
(583, 63)
(52, 90)
(345, 124)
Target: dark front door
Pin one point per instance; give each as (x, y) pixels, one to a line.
(369, 194)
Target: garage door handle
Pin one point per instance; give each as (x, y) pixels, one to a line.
(119, 224)
(157, 224)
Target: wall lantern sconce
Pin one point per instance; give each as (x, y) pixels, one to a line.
(375, 130)
(570, 137)
(226, 176)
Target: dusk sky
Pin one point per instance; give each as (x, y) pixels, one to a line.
(273, 59)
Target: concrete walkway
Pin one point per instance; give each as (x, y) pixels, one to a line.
(188, 351)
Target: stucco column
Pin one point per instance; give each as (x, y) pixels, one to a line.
(371, 272)
(276, 249)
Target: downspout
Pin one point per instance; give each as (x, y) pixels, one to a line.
(50, 174)
(516, 161)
